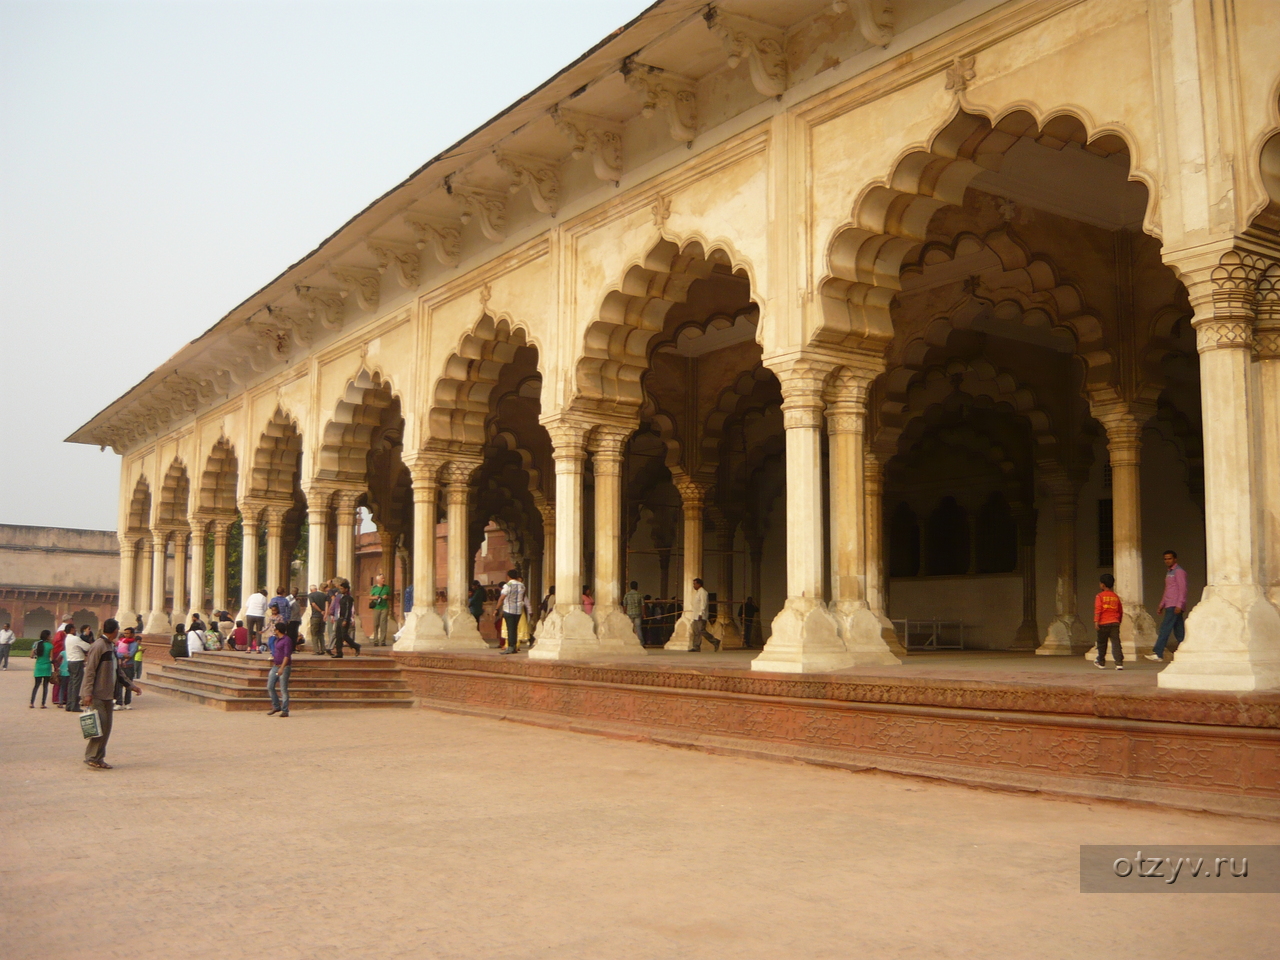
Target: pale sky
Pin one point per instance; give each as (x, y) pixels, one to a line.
(161, 161)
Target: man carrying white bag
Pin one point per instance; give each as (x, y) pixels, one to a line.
(97, 691)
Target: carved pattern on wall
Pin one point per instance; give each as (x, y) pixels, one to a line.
(442, 236)
(759, 44)
(542, 177)
(668, 92)
(402, 257)
(488, 206)
(600, 138)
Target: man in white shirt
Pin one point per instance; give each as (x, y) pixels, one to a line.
(697, 610)
(255, 614)
(76, 648)
(6, 644)
(514, 600)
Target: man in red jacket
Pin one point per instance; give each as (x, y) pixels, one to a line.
(1108, 611)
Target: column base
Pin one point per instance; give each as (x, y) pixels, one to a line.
(805, 639)
(126, 618)
(863, 636)
(889, 633)
(463, 633)
(566, 634)
(681, 636)
(1233, 643)
(423, 631)
(1026, 637)
(1066, 637)
(614, 631)
(157, 622)
(727, 632)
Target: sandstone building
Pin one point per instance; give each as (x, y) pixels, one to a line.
(47, 573)
(869, 310)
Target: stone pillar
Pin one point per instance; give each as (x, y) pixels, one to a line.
(805, 636)
(726, 628)
(346, 505)
(387, 541)
(755, 562)
(1027, 635)
(693, 497)
(1233, 634)
(126, 611)
(143, 580)
(248, 556)
(180, 574)
(423, 627)
(548, 547)
(860, 628)
(460, 562)
(877, 598)
(613, 627)
(567, 633)
(1124, 423)
(157, 621)
(317, 534)
(1266, 339)
(221, 529)
(275, 553)
(1066, 634)
(199, 538)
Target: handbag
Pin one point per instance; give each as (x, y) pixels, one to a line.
(91, 723)
(373, 603)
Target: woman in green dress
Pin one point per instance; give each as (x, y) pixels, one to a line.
(43, 669)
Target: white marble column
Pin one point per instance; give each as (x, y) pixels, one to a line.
(221, 531)
(693, 500)
(248, 557)
(142, 580)
(1124, 423)
(726, 628)
(275, 542)
(613, 627)
(567, 632)
(1233, 633)
(423, 627)
(877, 600)
(755, 561)
(317, 534)
(548, 548)
(805, 637)
(180, 573)
(1066, 634)
(157, 621)
(199, 539)
(1266, 340)
(860, 628)
(460, 562)
(126, 611)
(347, 518)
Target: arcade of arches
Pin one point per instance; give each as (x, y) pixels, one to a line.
(948, 352)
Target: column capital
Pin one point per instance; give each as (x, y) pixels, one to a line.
(1266, 332)
(568, 437)
(609, 441)
(693, 491)
(458, 472)
(128, 545)
(276, 512)
(1124, 422)
(424, 468)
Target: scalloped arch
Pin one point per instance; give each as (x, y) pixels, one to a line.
(275, 461)
(461, 398)
(367, 405)
(140, 506)
(175, 492)
(218, 480)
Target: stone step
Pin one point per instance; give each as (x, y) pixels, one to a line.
(350, 691)
(313, 675)
(296, 702)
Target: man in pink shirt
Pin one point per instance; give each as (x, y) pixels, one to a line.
(1174, 605)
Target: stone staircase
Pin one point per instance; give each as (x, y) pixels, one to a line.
(238, 681)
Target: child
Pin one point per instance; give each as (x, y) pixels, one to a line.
(1108, 611)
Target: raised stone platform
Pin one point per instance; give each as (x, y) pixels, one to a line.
(238, 681)
(991, 719)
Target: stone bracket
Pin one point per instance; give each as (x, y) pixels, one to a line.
(443, 236)
(594, 135)
(669, 92)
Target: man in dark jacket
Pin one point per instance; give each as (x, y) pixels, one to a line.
(345, 615)
(102, 671)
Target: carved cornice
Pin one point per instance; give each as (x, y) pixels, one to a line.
(489, 206)
(568, 441)
(298, 324)
(541, 176)
(442, 236)
(874, 17)
(759, 44)
(672, 94)
(402, 257)
(1266, 333)
(600, 138)
(324, 304)
(364, 282)
(693, 491)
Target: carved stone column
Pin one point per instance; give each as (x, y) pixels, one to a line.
(693, 498)
(877, 599)
(126, 612)
(346, 513)
(423, 627)
(199, 537)
(458, 620)
(1066, 634)
(142, 580)
(387, 541)
(755, 561)
(1266, 338)
(249, 582)
(180, 573)
(317, 533)
(1124, 423)
(221, 530)
(275, 554)
(1233, 634)
(726, 628)
(860, 628)
(548, 511)
(157, 621)
(805, 637)
(1027, 635)
(613, 627)
(567, 633)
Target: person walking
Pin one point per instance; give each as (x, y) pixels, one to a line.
(126, 647)
(1108, 612)
(476, 599)
(295, 616)
(316, 601)
(56, 658)
(102, 671)
(514, 601)
(77, 647)
(345, 605)
(1174, 605)
(749, 613)
(43, 670)
(633, 606)
(699, 604)
(255, 614)
(6, 645)
(380, 604)
(281, 663)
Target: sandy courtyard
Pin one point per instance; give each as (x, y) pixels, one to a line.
(414, 834)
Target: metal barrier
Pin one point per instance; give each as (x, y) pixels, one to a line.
(938, 634)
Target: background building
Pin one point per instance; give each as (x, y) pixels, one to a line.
(49, 572)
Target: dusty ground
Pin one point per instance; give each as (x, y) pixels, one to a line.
(415, 834)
